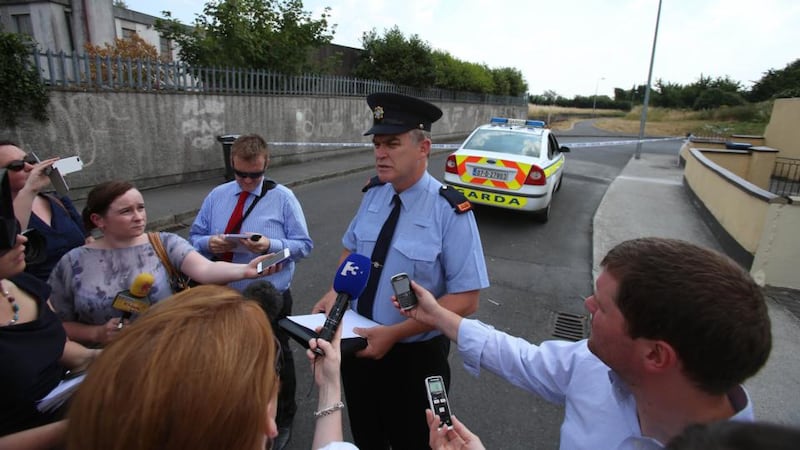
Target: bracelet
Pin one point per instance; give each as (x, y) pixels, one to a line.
(329, 410)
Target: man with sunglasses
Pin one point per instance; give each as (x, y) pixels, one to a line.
(271, 215)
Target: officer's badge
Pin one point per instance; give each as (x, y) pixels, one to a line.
(377, 113)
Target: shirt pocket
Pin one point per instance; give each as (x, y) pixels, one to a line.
(421, 248)
(366, 238)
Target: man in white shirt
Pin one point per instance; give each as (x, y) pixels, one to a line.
(676, 329)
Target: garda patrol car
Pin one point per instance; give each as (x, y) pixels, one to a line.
(509, 163)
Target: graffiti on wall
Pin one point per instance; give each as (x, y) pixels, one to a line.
(311, 125)
(93, 131)
(202, 121)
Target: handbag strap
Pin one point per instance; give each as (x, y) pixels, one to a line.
(161, 252)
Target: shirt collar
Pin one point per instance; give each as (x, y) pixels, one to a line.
(410, 195)
(256, 190)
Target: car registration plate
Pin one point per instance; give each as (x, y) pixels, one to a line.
(488, 173)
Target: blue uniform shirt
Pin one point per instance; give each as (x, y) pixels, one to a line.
(436, 247)
(278, 216)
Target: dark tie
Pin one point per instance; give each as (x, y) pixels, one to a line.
(367, 298)
(235, 222)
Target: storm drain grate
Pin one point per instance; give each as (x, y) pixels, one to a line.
(571, 327)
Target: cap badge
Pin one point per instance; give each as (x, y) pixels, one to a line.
(377, 113)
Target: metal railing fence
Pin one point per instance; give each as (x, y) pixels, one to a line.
(84, 72)
(785, 178)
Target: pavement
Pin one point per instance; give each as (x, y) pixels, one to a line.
(646, 199)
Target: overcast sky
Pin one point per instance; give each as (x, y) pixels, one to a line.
(575, 47)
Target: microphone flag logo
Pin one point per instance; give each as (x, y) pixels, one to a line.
(349, 268)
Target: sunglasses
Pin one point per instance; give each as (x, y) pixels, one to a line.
(19, 164)
(253, 175)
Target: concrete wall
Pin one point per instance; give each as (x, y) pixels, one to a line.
(754, 165)
(782, 131)
(763, 224)
(741, 214)
(775, 261)
(161, 139)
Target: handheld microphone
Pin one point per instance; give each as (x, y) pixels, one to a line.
(135, 299)
(350, 281)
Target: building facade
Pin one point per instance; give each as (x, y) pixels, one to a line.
(68, 25)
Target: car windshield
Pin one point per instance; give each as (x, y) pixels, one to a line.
(504, 142)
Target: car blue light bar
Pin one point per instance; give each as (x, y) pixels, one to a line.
(534, 123)
(499, 120)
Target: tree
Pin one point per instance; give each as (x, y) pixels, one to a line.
(133, 48)
(21, 89)
(550, 96)
(777, 83)
(273, 35)
(715, 97)
(397, 59)
(509, 81)
(451, 73)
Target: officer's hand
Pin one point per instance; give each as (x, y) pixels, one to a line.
(325, 303)
(379, 341)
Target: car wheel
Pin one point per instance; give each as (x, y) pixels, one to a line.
(543, 215)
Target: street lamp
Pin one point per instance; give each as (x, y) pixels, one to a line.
(594, 101)
(643, 120)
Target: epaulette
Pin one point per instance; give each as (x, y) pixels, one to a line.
(371, 183)
(456, 199)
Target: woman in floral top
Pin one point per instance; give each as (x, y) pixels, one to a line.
(87, 279)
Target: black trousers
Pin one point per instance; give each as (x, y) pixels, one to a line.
(287, 407)
(386, 398)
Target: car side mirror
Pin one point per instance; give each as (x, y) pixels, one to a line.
(564, 149)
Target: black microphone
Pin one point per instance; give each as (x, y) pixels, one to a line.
(349, 283)
(265, 294)
(135, 299)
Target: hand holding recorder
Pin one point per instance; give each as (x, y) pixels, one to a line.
(456, 438)
(134, 300)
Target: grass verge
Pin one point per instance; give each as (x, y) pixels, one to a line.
(746, 119)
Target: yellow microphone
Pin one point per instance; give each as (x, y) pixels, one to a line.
(135, 299)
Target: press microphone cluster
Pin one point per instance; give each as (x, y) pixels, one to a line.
(135, 299)
(349, 283)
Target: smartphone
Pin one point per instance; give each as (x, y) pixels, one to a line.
(59, 169)
(437, 399)
(403, 292)
(274, 259)
(235, 237)
(68, 165)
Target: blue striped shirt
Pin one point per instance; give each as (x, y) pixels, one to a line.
(278, 217)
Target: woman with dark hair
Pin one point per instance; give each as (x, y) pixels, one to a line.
(52, 215)
(34, 348)
(87, 279)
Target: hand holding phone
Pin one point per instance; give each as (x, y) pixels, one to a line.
(403, 292)
(273, 259)
(437, 399)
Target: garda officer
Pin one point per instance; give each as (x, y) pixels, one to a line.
(407, 222)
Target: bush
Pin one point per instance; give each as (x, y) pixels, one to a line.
(21, 89)
(716, 97)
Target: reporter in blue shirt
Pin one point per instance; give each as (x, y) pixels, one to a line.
(676, 329)
(272, 211)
